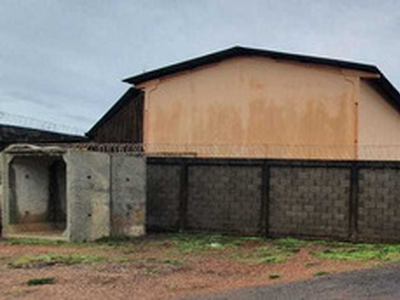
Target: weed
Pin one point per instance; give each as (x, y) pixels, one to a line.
(274, 276)
(172, 287)
(168, 261)
(320, 273)
(311, 264)
(174, 262)
(151, 270)
(265, 254)
(41, 281)
(270, 257)
(290, 245)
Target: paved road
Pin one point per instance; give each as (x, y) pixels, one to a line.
(379, 283)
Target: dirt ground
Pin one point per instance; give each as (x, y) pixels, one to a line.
(158, 267)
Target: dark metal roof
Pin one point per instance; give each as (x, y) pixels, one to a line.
(10, 134)
(129, 95)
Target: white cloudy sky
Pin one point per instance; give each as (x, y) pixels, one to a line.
(62, 61)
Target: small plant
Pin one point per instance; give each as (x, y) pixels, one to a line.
(54, 259)
(41, 281)
(167, 261)
(320, 273)
(265, 254)
(174, 262)
(311, 264)
(274, 276)
(151, 270)
(273, 259)
(172, 287)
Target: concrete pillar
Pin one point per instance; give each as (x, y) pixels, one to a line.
(128, 195)
(88, 195)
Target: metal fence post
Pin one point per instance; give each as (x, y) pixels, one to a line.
(353, 201)
(264, 212)
(184, 195)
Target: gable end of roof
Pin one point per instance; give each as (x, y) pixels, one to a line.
(242, 51)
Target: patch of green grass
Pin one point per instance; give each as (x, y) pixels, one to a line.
(33, 242)
(274, 276)
(320, 273)
(278, 251)
(292, 242)
(265, 254)
(124, 244)
(173, 262)
(54, 259)
(168, 261)
(290, 246)
(268, 255)
(203, 242)
(41, 281)
(331, 243)
(379, 252)
(115, 239)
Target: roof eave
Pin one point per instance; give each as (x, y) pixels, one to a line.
(129, 95)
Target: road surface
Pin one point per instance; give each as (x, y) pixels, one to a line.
(378, 283)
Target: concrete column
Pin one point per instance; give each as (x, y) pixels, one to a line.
(128, 195)
(88, 195)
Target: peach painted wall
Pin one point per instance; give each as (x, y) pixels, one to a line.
(379, 126)
(254, 107)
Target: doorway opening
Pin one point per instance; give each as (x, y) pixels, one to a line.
(38, 200)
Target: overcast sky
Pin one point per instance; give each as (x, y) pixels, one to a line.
(62, 61)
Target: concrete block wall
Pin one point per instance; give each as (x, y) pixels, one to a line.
(309, 201)
(379, 204)
(347, 200)
(224, 198)
(163, 196)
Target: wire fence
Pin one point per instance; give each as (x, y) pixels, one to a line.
(23, 121)
(336, 152)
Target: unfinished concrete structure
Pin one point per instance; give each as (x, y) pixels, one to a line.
(72, 194)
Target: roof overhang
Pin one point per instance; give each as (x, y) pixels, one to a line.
(129, 95)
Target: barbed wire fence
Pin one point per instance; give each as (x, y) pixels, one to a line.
(259, 150)
(23, 121)
(336, 152)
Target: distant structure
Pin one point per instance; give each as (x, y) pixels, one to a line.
(10, 134)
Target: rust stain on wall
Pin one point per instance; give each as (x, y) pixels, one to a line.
(253, 101)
